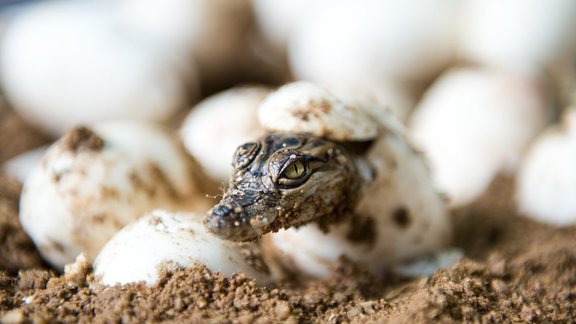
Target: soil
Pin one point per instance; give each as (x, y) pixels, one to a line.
(16, 136)
(514, 270)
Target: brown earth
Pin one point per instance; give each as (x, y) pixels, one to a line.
(514, 270)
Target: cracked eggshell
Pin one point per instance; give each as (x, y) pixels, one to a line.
(357, 40)
(400, 217)
(523, 36)
(215, 127)
(64, 63)
(473, 123)
(94, 181)
(546, 181)
(390, 97)
(163, 241)
(304, 107)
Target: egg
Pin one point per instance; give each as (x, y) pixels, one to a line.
(216, 126)
(520, 36)
(164, 241)
(392, 98)
(546, 182)
(93, 181)
(391, 214)
(353, 41)
(214, 33)
(473, 123)
(279, 18)
(69, 62)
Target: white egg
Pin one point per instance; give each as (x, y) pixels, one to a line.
(93, 181)
(279, 18)
(473, 123)
(213, 32)
(400, 218)
(69, 62)
(219, 124)
(546, 182)
(351, 41)
(174, 25)
(523, 36)
(164, 241)
(399, 215)
(312, 252)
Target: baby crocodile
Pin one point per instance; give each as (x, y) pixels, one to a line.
(285, 180)
(329, 155)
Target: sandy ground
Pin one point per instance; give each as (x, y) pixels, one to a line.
(514, 270)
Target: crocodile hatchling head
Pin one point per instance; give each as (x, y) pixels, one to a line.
(284, 180)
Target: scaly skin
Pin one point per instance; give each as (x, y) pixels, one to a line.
(284, 180)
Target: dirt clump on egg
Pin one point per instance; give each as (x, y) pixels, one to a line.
(515, 270)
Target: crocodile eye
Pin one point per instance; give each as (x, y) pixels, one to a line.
(295, 170)
(293, 174)
(245, 154)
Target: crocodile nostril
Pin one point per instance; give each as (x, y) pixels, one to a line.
(221, 210)
(229, 223)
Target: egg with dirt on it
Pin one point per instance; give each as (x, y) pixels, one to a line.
(96, 179)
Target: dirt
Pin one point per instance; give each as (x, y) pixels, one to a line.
(514, 270)
(82, 138)
(16, 136)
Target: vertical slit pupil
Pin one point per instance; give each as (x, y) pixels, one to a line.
(295, 170)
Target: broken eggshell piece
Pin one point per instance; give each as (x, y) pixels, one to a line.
(303, 107)
(95, 180)
(389, 97)
(164, 241)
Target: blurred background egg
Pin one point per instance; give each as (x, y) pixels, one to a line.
(351, 41)
(66, 62)
(547, 178)
(473, 123)
(214, 143)
(523, 36)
